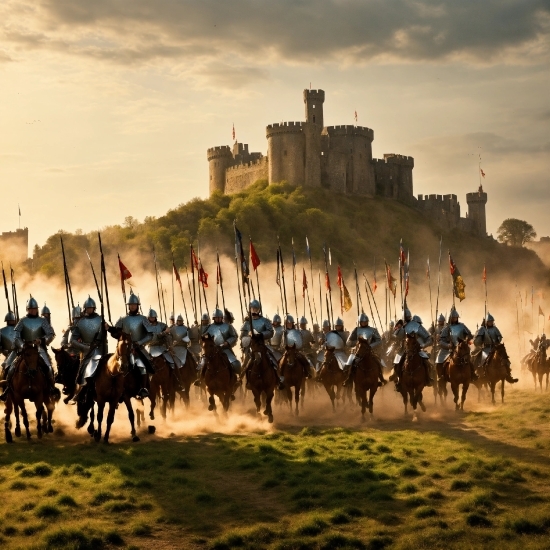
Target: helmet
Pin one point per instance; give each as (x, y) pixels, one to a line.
(152, 313)
(289, 319)
(441, 318)
(454, 314)
(542, 336)
(204, 317)
(489, 318)
(339, 323)
(77, 311)
(392, 324)
(217, 313)
(303, 320)
(172, 318)
(363, 318)
(11, 317)
(407, 314)
(326, 323)
(255, 304)
(133, 299)
(276, 318)
(417, 319)
(89, 303)
(45, 310)
(315, 327)
(180, 318)
(32, 303)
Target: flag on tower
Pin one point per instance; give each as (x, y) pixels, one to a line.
(482, 172)
(355, 116)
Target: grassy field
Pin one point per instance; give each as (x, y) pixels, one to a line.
(477, 479)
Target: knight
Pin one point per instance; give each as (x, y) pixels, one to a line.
(260, 325)
(335, 340)
(46, 313)
(448, 338)
(180, 340)
(293, 338)
(7, 341)
(172, 320)
(276, 341)
(410, 326)
(485, 340)
(161, 344)
(87, 338)
(32, 329)
(321, 339)
(435, 333)
(225, 337)
(139, 329)
(370, 334)
(308, 341)
(194, 337)
(76, 315)
(339, 328)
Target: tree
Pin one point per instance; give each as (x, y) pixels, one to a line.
(515, 232)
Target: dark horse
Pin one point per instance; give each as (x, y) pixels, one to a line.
(293, 365)
(539, 367)
(163, 385)
(29, 382)
(331, 376)
(67, 369)
(261, 375)
(459, 371)
(495, 369)
(367, 367)
(219, 377)
(413, 379)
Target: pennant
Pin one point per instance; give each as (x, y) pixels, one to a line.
(124, 271)
(392, 283)
(482, 172)
(304, 283)
(406, 283)
(347, 304)
(194, 260)
(327, 282)
(245, 273)
(219, 275)
(278, 275)
(329, 257)
(203, 276)
(254, 258)
(484, 275)
(458, 283)
(308, 249)
(19, 209)
(356, 116)
(177, 275)
(233, 133)
(541, 312)
(402, 257)
(339, 278)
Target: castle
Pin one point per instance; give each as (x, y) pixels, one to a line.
(14, 246)
(337, 158)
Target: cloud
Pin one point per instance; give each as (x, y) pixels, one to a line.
(260, 32)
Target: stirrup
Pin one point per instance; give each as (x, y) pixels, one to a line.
(143, 392)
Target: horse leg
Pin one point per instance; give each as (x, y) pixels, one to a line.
(455, 389)
(153, 400)
(362, 398)
(91, 424)
(303, 392)
(7, 412)
(502, 391)
(17, 421)
(212, 403)
(257, 401)
(25, 418)
(465, 387)
(268, 409)
(39, 412)
(332, 395)
(420, 401)
(110, 419)
(130, 409)
(405, 401)
(97, 433)
(492, 386)
(49, 416)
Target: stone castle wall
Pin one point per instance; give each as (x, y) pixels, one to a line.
(241, 176)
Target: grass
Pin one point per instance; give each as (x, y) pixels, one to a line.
(391, 484)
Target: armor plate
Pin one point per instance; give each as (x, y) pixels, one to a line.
(32, 328)
(7, 336)
(222, 333)
(451, 334)
(261, 325)
(136, 326)
(277, 339)
(88, 328)
(334, 340)
(180, 335)
(293, 337)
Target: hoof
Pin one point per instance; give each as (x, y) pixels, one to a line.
(210, 407)
(9, 438)
(422, 406)
(39, 435)
(97, 436)
(152, 416)
(17, 431)
(135, 439)
(151, 429)
(90, 429)
(266, 413)
(270, 419)
(29, 436)
(50, 429)
(106, 441)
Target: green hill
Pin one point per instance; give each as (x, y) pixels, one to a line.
(357, 229)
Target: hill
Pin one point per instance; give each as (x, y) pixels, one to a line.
(357, 229)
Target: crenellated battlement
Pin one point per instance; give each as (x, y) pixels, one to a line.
(284, 128)
(391, 158)
(244, 165)
(350, 130)
(218, 152)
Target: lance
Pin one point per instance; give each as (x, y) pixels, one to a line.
(193, 266)
(278, 280)
(309, 302)
(356, 290)
(329, 310)
(430, 289)
(367, 285)
(283, 277)
(163, 292)
(202, 282)
(95, 278)
(255, 267)
(239, 281)
(386, 304)
(104, 278)
(221, 281)
(312, 285)
(173, 296)
(178, 279)
(438, 279)
(6, 288)
(320, 297)
(157, 279)
(122, 284)
(217, 277)
(190, 295)
(370, 305)
(14, 295)
(401, 273)
(304, 291)
(68, 290)
(485, 281)
(294, 278)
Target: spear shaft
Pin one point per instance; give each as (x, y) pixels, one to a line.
(104, 277)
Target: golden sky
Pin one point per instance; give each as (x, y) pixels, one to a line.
(107, 107)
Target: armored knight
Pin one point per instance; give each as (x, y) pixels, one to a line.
(435, 333)
(224, 336)
(33, 329)
(260, 325)
(336, 340)
(308, 341)
(194, 338)
(76, 315)
(293, 338)
(448, 338)
(339, 328)
(46, 313)
(161, 344)
(276, 341)
(408, 327)
(180, 340)
(86, 337)
(369, 334)
(172, 319)
(321, 339)
(139, 328)
(485, 340)
(7, 341)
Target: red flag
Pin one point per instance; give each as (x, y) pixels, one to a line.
(374, 286)
(406, 284)
(540, 311)
(194, 260)
(203, 276)
(327, 282)
(452, 265)
(339, 278)
(254, 258)
(392, 284)
(482, 172)
(484, 276)
(176, 274)
(304, 283)
(124, 271)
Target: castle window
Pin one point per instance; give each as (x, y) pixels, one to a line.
(313, 118)
(314, 106)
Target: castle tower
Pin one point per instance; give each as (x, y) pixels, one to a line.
(219, 159)
(314, 100)
(476, 210)
(286, 152)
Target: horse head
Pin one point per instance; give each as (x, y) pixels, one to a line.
(500, 354)
(67, 365)
(30, 356)
(123, 351)
(412, 347)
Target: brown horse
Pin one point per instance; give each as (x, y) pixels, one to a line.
(291, 367)
(261, 375)
(188, 374)
(494, 370)
(67, 369)
(539, 367)
(367, 367)
(29, 382)
(332, 376)
(163, 385)
(458, 367)
(413, 378)
(219, 377)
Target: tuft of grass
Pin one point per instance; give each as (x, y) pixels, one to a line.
(28, 506)
(72, 539)
(18, 486)
(379, 542)
(47, 511)
(141, 530)
(181, 464)
(9, 531)
(523, 526)
(341, 541)
(425, 512)
(51, 493)
(435, 495)
(312, 527)
(382, 449)
(478, 520)
(339, 518)
(416, 501)
(409, 471)
(114, 538)
(461, 485)
(204, 498)
(409, 489)
(67, 500)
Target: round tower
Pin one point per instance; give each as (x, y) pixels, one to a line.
(476, 210)
(313, 100)
(286, 152)
(219, 160)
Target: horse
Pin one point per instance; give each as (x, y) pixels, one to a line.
(163, 384)
(219, 377)
(494, 370)
(261, 375)
(413, 378)
(539, 367)
(67, 370)
(29, 382)
(458, 368)
(188, 374)
(367, 367)
(291, 367)
(331, 376)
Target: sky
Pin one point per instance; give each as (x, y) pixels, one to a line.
(107, 107)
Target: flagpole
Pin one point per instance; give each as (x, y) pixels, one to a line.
(438, 278)
(278, 280)
(430, 288)
(330, 311)
(283, 277)
(367, 285)
(517, 318)
(190, 294)
(217, 277)
(320, 299)
(294, 278)
(239, 282)
(312, 285)
(356, 291)
(173, 295)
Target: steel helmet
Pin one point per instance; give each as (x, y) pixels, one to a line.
(363, 318)
(289, 318)
(441, 318)
(45, 310)
(204, 317)
(90, 302)
(152, 313)
(276, 318)
(303, 320)
(454, 314)
(133, 299)
(255, 304)
(407, 314)
(172, 318)
(417, 319)
(339, 323)
(392, 324)
(217, 313)
(489, 318)
(32, 303)
(326, 323)
(180, 318)
(9, 316)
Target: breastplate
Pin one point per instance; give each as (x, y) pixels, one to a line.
(178, 334)
(334, 340)
(259, 324)
(220, 333)
(133, 325)
(294, 337)
(8, 338)
(366, 333)
(457, 332)
(277, 338)
(32, 328)
(492, 336)
(89, 328)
